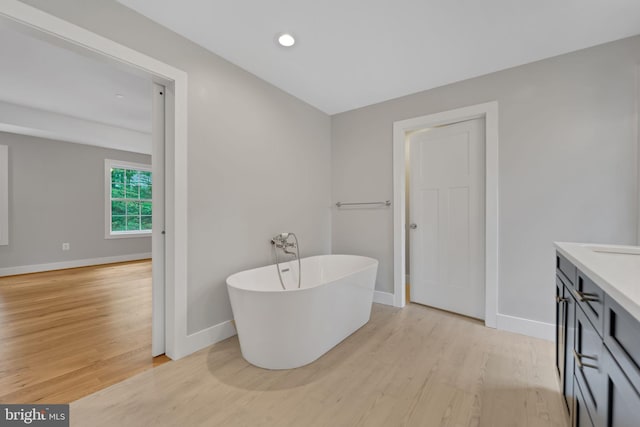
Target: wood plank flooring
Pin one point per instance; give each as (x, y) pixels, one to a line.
(66, 334)
(407, 367)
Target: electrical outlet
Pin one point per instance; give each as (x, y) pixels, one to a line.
(66, 246)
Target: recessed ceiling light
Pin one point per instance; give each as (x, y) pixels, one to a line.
(119, 95)
(286, 40)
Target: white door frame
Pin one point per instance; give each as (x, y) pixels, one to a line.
(175, 82)
(637, 135)
(489, 112)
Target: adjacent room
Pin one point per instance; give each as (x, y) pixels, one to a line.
(270, 213)
(75, 263)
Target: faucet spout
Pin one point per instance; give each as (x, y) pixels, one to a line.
(286, 248)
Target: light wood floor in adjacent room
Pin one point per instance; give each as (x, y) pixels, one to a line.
(66, 334)
(412, 367)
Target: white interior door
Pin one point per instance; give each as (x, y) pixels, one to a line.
(447, 211)
(157, 242)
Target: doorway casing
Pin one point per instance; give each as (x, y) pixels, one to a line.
(489, 113)
(176, 340)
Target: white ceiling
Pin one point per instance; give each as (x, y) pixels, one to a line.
(352, 53)
(47, 77)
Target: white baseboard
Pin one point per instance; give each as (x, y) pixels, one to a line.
(36, 268)
(206, 337)
(532, 328)
(385, 298)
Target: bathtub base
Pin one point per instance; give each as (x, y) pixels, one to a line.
(290, 329)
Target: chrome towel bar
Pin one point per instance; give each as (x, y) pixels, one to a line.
(385, 203)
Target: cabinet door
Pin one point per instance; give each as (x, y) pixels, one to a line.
(587, 355)
(581, 415)
(623, 400)
(569, 338)
(560, 328)
(622, 338)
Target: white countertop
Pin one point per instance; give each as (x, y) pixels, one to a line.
(616, 269)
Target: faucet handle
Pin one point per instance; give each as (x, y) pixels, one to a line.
(280, 238)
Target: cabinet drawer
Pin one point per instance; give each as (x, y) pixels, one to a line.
(566, 268)
(582, 417)
(591, 299)
(587, 354)
(623, 401)
(622, 338)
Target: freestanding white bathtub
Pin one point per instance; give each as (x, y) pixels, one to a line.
(283, 329)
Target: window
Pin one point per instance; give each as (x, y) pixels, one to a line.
(128, 199)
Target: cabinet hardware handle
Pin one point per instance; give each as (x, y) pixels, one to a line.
(578, 357)
(561, 299)
(585, 296)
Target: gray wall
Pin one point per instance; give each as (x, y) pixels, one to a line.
(56, 195)
(568, 165)
(258, 158)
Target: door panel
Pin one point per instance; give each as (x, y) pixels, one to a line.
(622, 338)
(427, 245)
(582, 417)
(447, 204)
(158, 240)
(588, 362)
(623, 400)
(564, 267)
(591, 299)
(457, 257)
(565, 329)
(569, 344)
(560, 330)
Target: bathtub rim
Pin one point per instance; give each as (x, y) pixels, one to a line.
(375, 263)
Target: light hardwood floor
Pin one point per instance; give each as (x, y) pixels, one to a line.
(413, 367)
(66, 334)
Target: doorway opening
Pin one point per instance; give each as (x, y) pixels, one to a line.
(177, 342)
(128, 186)
(403, 130)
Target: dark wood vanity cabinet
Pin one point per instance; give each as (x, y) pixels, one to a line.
(597, 352)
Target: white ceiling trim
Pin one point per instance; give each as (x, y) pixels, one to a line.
(45, 124)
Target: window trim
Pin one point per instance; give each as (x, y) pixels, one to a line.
(108, 165)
